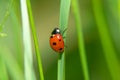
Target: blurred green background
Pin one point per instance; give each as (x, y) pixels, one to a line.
(46, 17)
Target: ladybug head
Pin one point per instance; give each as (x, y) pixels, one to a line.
(56, 31)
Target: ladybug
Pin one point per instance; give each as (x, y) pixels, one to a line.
(56, 41)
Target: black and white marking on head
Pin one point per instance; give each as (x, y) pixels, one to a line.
(56, 31)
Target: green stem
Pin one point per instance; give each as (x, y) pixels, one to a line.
(61, 67)
(109, 51)
(82, 52)
(64, 14)
(35, 40)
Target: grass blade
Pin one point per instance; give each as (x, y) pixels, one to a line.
(64, 14)
(35, 40)
(28, 60)
(119, 14)
(82, 52)
(109, 52)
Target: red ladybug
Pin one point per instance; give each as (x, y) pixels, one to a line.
(56, 41)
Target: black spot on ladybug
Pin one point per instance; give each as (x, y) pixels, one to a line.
(51, 37)
(59, 39)
(60, 49)
(54, 43)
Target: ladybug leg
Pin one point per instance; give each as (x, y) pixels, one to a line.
(63, 31)
(64, 37)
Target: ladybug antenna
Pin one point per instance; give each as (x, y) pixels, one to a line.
(56, 31)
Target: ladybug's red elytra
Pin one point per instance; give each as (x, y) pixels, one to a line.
(56, 41)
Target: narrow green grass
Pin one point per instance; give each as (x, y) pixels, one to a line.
(75, 8)
(28, 58)
(35, 40)
(64, 14)
(119, 14)
(109, 52)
